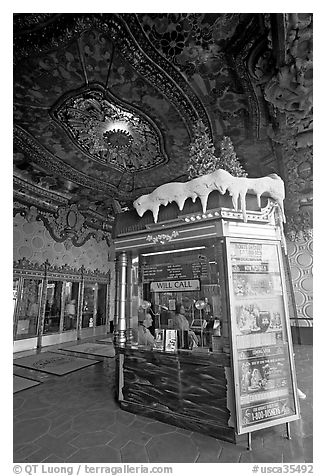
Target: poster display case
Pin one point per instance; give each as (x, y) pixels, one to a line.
(264, 378)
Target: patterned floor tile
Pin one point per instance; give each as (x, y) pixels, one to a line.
(133, 453)
(26, 431)
(98, 454)
(93, 420)
(76, 418)
(173, 448)
(95, 438)
(56, 446)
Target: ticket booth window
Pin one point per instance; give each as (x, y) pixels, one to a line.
(187, 277)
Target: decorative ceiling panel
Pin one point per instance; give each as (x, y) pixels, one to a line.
(76, 85)
(110, 132)
(104, 104)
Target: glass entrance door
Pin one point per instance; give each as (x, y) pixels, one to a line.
(29, 309)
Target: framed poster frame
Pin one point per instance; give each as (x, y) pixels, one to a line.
(261, 414)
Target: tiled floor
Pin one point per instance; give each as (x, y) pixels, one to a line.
(75, 418)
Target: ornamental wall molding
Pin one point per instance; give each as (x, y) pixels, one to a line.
(289, 93)
(47, 196)
(67, 225)
(38, 154)
(26, 267)
(27, 195)
(94, 275)
(24, 264)
(189, 103)
(239, 61)
(258, 66)
(23, 201)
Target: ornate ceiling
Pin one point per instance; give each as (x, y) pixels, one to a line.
(104, 104)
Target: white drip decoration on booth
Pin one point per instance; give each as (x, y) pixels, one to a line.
(220, 180)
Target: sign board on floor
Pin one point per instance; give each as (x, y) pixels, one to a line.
(263, 367)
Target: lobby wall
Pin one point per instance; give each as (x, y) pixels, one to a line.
(300, 257)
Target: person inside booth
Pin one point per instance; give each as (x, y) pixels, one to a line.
(180, 322)
(145, 337)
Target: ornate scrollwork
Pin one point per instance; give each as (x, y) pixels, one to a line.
(135, 47)
(24, 264)
(290, 94)
(38, 154)
(67, 225)
(162, 238)
(96, 275)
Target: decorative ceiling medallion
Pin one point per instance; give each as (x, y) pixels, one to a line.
(109, 131)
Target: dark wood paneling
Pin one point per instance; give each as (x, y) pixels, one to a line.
(187, 389)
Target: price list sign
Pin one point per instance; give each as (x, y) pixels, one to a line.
(170, 272)
(263, 368)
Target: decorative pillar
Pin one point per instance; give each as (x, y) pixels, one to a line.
(121, 294)
(221, 258)
(129, 332)
(80, 305)
(116, 302)
(107, 307)
(42, 306)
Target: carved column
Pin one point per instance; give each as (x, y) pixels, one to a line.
(121, 295)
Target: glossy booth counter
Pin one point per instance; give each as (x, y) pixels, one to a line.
(186, 389)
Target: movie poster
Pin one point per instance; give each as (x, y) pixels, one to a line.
(261, 349)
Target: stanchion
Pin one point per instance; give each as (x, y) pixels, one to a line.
(249, 441)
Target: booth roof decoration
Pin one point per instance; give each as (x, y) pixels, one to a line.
(220, 180)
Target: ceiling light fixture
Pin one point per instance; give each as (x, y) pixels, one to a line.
(118, 138)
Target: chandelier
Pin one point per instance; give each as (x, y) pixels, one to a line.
(110, 131)
(118, 138)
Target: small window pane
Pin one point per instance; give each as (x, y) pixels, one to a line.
(71, 305)
(101, 300)
(53, 307)
(88, 306)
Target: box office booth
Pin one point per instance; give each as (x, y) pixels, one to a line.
(237, 375)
